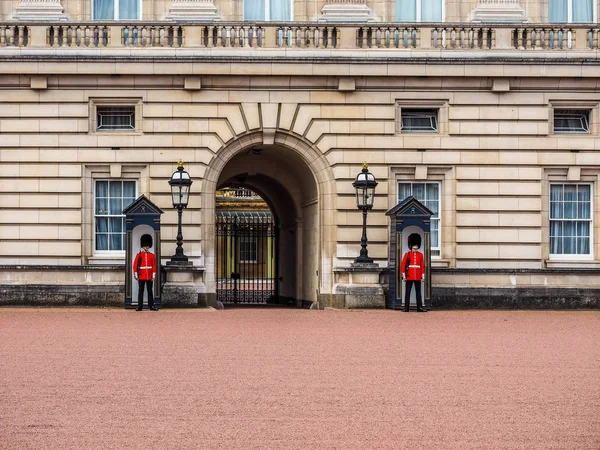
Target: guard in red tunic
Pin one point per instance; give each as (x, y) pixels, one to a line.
(412, 270)
(144, 270)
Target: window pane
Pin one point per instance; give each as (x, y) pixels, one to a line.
(556, 210)
(418, 120)
(583, 246)
(254, 9)
(571, 121)
(116, 189)
(569, 247)
(557, 11)
(101, 225)
(129, 9)
(406, 10)
(569, 228)
(583, 229)
(556, 247)
(583, 192)
(101, 206)
(116, 206)
(101, 241)
(433, 191)
(583, 210)
(104, 10)
(116, 242)
(583, 11)
(434, 239)
(280, 10)
(556, 192)
(431, 10)
(556, 229)
(101, 188)
(115, 117)
(116, 225)
(404, 191)
(419, 191)
(129, 189)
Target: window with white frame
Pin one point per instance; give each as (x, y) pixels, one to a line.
(110, 198)
(117, 9)
(418, 120)
(420, 10)
(427, 193)
(571, 220)
(571, 11)
(276, 10)
(572, 121)
(248, 248)
(111, 118)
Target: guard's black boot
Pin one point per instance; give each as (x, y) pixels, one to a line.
(153, 308)
(139, 308)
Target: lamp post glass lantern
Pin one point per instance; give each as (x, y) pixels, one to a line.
(364, 185)
(180, 183)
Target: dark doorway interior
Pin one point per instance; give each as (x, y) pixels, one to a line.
(246, 248)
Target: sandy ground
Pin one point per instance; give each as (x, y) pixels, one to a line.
(298, 379)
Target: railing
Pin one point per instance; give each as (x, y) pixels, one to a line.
(261, 35)
(545, 37)
(14, 35)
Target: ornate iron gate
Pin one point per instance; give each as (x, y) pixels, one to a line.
(245, 248)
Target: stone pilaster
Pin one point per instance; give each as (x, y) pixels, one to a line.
(346, 11)
(193, 10)
(499, 11)
(40, 10)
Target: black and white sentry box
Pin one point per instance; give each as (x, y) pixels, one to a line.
(141, 217)
(410, 216)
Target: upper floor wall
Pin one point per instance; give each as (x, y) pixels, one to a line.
(534, 11)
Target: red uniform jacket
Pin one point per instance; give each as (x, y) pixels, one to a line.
(416, 265)
(144, 265)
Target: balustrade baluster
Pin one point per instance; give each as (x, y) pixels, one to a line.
(250, 39)
(21, 36)
(560, 38)
(2, 36)
(570, 39)
(242, 36)
(87, 36)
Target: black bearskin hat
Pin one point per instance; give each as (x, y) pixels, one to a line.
(414, 239)
(146, 240)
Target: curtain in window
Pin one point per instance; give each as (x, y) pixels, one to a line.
(404, 191)
(129, 9)
(104, 10)
(557, 10)
(254, 9)
(431, 10)
(583, 11)
(281, 9)
(406, 10)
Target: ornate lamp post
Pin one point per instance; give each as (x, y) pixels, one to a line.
(180, 183)
(364, 185)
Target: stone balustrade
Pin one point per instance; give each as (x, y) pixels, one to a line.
(442, 37)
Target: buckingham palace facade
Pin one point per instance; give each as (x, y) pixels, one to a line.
(486, 111)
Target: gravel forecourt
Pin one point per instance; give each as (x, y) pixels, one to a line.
(270, 378)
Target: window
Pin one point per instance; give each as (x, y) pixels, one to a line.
(571, 11)
(429, 194)
(418, 120)
(570, 219)
(268, 10)
(115, 118)
(117, 9)
(248, 247)
(111, 197)
(572, 121)
(420, 10)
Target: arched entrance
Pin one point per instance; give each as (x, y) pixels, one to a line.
(292, 179)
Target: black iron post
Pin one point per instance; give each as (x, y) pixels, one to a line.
(179, 255)
(363, 257)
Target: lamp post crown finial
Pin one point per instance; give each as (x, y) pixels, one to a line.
(180, 163)
(365, 165)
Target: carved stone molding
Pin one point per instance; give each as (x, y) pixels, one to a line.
(40, 10)
(346, 11)
(193, 10)
(499, 11)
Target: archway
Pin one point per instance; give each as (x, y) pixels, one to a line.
(296, 183)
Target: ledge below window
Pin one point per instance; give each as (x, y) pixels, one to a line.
(106, 260)
(442, 263)
(565, 264)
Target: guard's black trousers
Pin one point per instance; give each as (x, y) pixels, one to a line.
(409, 285)
(148, 284)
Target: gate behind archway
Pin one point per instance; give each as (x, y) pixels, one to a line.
(245, 250)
